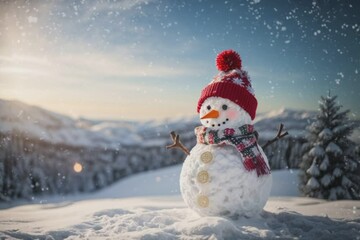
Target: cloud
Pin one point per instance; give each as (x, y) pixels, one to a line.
(40, 49)
(121, 63)
(99, 7)
(119, 5)
(56, 63)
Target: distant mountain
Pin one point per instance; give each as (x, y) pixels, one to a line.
(45, 125)
(295, 122)
(41, 124)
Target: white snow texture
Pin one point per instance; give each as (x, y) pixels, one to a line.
(103, 215)
(231, 189)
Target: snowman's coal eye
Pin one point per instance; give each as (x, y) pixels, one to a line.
(208, 107)
(224, 107)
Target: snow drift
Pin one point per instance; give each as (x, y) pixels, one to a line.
(104, 215)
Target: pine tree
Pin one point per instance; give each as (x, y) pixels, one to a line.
(330, 165)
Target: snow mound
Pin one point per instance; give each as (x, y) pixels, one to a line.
(165, 182)
(168, 218)
(110, 214)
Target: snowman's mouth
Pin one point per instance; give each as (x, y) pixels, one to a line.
(218, 124)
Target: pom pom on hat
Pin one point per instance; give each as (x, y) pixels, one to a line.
(228, 60)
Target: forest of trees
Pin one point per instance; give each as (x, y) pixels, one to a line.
(29, 167)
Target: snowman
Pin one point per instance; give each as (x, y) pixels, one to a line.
(226, 173)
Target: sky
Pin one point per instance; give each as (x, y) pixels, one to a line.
(137, 59)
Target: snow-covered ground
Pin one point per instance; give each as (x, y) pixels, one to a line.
(148, 206)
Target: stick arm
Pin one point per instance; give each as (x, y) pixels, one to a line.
(279, 135)
(177, 143)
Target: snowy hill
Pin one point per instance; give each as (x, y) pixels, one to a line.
(38, 123)
(295, 122)
(154, 215)
(45, 125)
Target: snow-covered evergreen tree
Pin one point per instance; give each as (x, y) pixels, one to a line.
(330, 165)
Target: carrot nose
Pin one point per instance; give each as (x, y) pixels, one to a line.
(211, 114)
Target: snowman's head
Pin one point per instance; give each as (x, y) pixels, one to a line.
(229, 99)
(220, 113)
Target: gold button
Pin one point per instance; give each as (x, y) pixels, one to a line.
(203, 201)
(206, 157)
(203, 177)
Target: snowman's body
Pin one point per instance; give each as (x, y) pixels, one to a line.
(213, 180)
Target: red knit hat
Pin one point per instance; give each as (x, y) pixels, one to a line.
(231, 83)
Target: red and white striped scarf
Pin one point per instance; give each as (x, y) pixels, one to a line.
(243, 139)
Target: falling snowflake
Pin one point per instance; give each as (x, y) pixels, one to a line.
(32, 19)
(340, 74)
